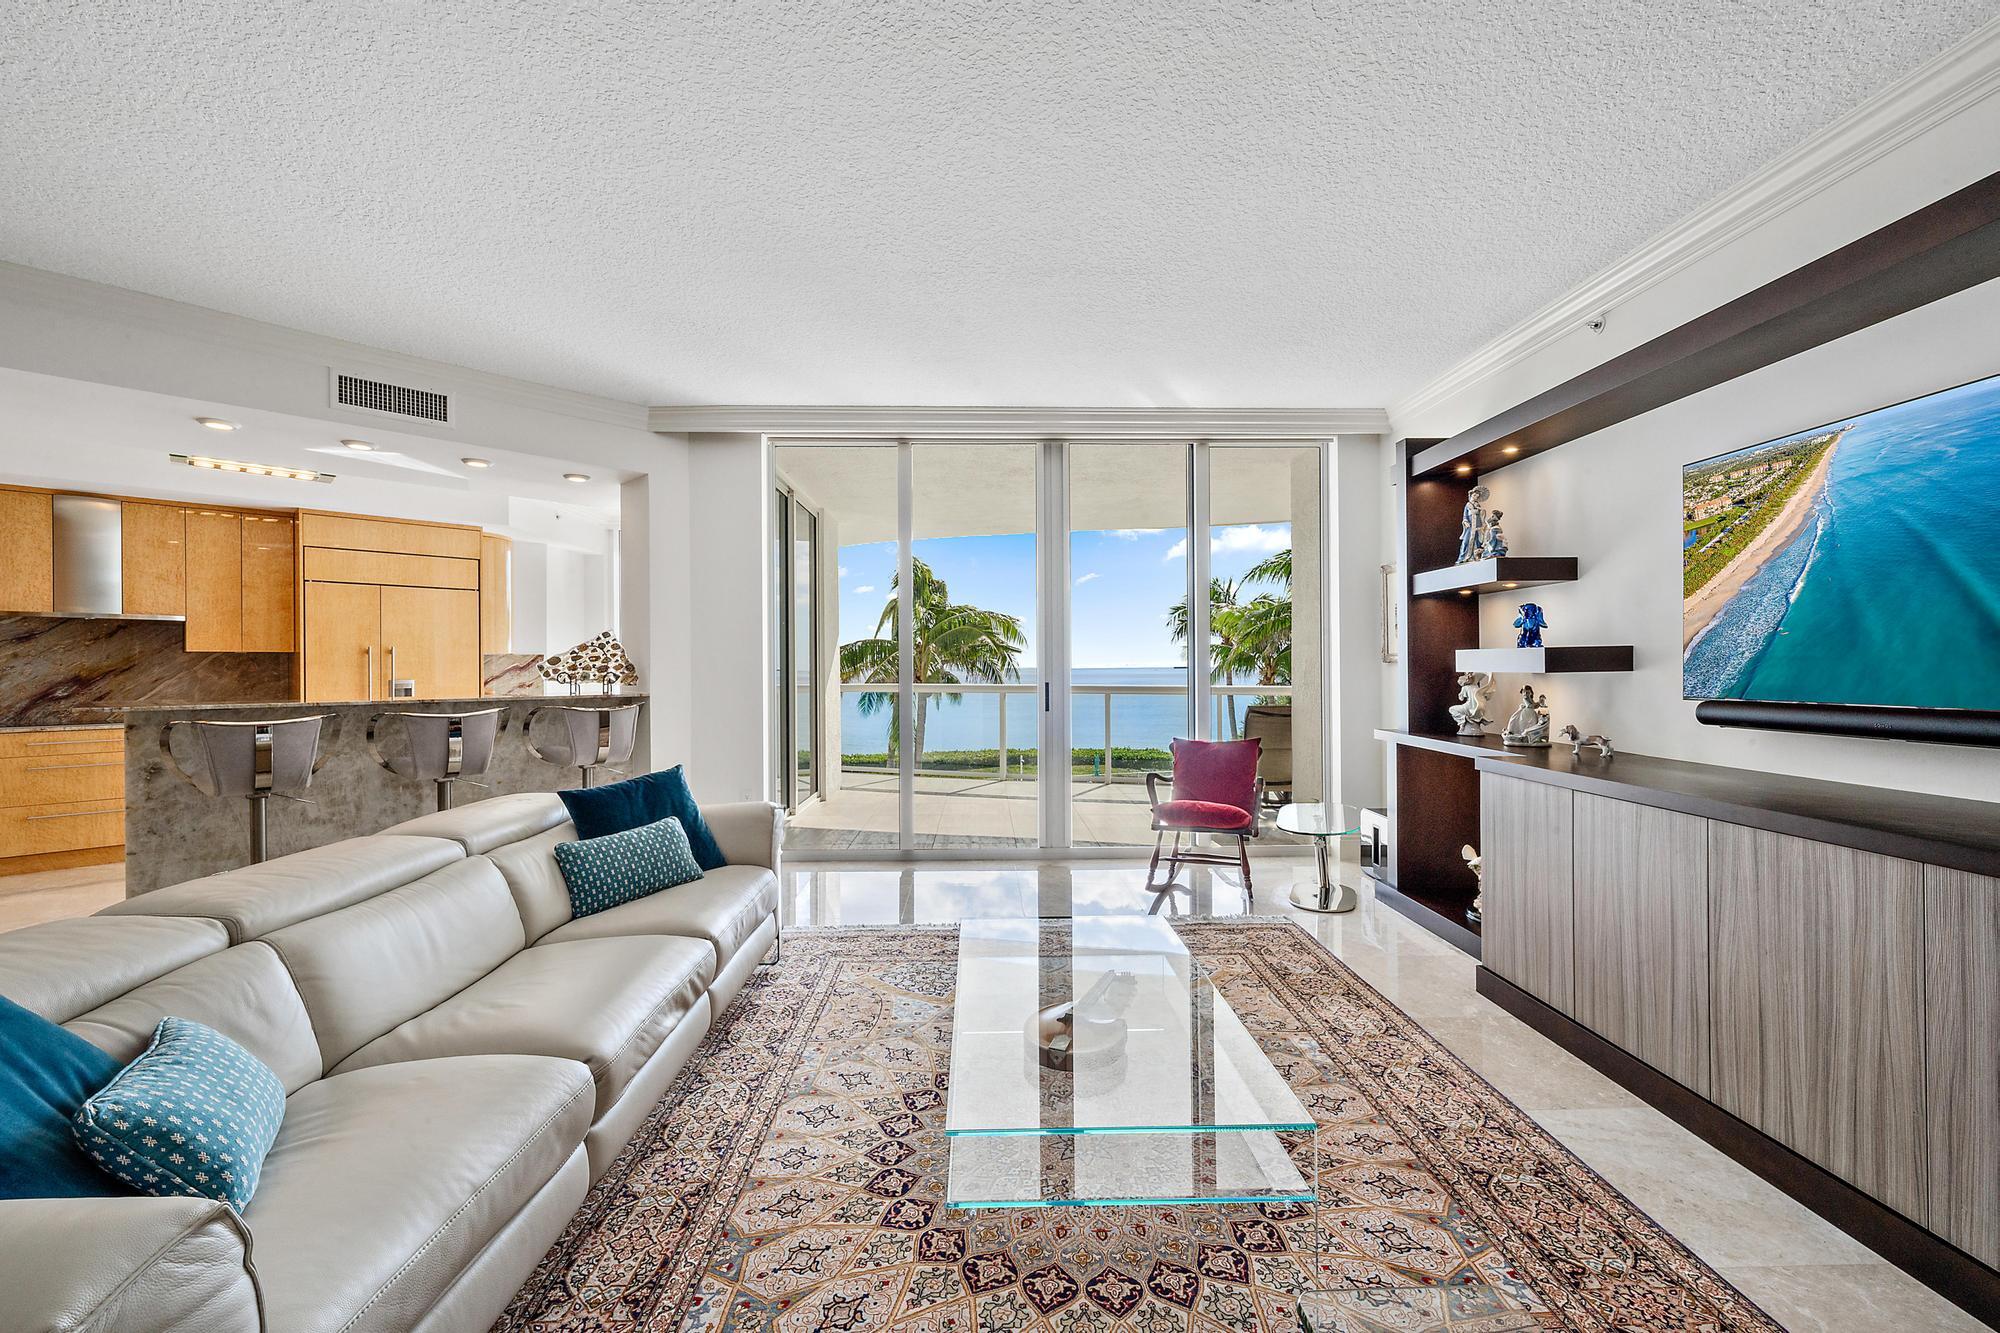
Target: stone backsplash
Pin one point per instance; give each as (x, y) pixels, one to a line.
(56, 669)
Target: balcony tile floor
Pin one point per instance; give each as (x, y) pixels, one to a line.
(1807, 1274)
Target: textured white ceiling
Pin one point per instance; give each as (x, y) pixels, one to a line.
(937, 202)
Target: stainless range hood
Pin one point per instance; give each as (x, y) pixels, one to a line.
(90, 559)
(89, 556)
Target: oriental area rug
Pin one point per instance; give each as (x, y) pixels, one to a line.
(793, 1179)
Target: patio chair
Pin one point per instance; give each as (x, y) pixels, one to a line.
(1215, 790)
(1272, 724)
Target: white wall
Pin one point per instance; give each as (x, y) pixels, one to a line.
(729, 621)
(1355, 604)
(1613, 499)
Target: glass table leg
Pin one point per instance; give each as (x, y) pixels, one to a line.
(1327, 895)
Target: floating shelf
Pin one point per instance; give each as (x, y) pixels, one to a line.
(1946, 247)
(1500, 574)
(1545, 661)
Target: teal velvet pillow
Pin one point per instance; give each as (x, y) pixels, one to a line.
(193, 1115)
(598, 811)
(45, 1074)
(603, 872)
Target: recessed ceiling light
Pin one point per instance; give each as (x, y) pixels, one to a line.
(1465, 469)
(1511, 449)
(359, 446)
(1465, 592)
(250, 469)
(578, 477)
(1511, 585)
(217, 423)
(477, 462)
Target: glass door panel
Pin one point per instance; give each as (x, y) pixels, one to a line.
(1265, 609)
(804, 679)
(846, 624)
(976, 691)
(1128, 625)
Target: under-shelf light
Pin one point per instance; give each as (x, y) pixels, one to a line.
(250, 469)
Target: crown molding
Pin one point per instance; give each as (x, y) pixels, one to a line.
(120, 305)
(1936, 91)
(1191, 423)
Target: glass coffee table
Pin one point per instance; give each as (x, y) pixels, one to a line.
(1322, 823)
(1092, 1062)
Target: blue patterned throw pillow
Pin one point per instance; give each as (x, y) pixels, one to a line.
(603, 872)
(193, 1115)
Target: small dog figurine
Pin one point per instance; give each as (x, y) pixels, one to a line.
(1578, 740)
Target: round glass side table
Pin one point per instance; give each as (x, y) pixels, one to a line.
(1322, 823)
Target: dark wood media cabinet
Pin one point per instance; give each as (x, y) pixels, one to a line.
(1804, 973)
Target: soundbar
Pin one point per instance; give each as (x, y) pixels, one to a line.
(1941, 726)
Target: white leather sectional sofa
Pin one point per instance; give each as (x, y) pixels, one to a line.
(461, 1060)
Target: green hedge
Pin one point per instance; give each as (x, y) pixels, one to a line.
(1083, 761)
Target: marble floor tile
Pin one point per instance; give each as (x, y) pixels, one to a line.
(51, 895)
(1849, 1298)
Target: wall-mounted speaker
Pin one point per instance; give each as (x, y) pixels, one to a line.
(1939, 726)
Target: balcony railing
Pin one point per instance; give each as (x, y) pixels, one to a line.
(1085, 701)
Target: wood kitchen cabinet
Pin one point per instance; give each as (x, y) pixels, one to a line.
(214, 581)
(361, 637)
(496, 594)
(270, 583)
(27, 535)
(153, 559)
(430, 637)
(343, 628)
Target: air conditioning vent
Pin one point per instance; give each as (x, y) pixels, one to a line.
(397, 400)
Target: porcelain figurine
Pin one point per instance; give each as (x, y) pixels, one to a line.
(1474, 863)
(1470, 710)
(1495, 544)
(1531, 622)
(1472, 526)
(1528, 728)
(1578, 740)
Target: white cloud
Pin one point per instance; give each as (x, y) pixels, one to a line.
(1237, 539)
(843, 571)
(1250, 537)
(1087, 578)
(1134, 534)
(866, 587)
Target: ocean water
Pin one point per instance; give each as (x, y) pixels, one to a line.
(1891, 594)
(1139, 721)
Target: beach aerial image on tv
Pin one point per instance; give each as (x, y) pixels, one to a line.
(1853, 563)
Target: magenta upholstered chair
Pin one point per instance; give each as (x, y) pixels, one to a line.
(1216, 790)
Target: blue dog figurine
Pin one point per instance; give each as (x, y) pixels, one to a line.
(1531, 622)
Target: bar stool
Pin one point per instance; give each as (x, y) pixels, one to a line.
(444, 748)
(253, 760)
(590, 739)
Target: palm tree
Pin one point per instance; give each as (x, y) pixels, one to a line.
(1248, 639)
(953, 644)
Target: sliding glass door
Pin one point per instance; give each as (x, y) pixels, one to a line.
(1056, 645)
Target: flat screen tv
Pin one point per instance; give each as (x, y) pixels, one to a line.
(1856, 563)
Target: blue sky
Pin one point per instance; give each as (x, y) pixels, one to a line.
(1124, 582)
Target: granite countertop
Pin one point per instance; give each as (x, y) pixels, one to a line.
(62, 726)
(457, 701)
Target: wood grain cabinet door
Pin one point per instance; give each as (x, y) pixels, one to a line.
(1528, 927)
(431, 636)
(27, 539)
(270, 577)
(343, 642)
(1816, 957)
(153, 561)
(214, 582)
(496, 594)
(1642, 933)
(1962, 1058)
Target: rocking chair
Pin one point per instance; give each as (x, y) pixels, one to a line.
(1215, 790)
